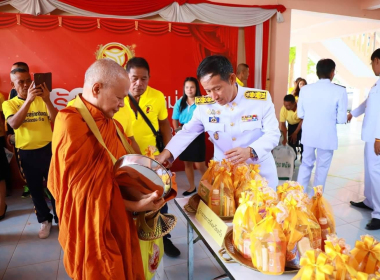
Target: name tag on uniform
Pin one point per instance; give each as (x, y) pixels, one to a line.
(213, 119)
(249, 118)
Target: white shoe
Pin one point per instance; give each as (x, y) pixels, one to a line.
(45, 230)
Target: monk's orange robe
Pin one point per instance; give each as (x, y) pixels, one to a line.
(98, 236)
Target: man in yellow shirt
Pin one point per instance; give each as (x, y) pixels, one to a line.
(242, 74)
(125, 117)
(292, 134)
(30, 114)
(153, 105)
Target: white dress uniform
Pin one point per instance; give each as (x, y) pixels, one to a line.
(247, 121)
(321, 105)
(370, 132)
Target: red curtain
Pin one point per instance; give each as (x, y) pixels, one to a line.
(264, 65)
(139, 7)
(250, 47)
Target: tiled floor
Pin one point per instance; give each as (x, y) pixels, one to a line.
(24, 256)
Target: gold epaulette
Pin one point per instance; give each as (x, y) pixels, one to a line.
(204, 100)
(256, 94)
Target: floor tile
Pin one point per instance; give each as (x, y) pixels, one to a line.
(341, 182)
(350, 214)
(10, 234)
(217, 265)
(41, 271)
(180, 230)
(181, 244)
(16, 217)
(359, 188)
(339, 221)
(2, 272)
(344, 195)
(35, 252)
(350, 233)
(30, 233)
(360, 224)
(203, 270)
(332, 200)
(62, 275)
(61, 255)
(6, 253)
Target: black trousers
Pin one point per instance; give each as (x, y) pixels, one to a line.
(291, 129)
(5, 170)
(35, 164)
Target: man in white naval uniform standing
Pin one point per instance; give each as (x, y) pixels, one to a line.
(240, 121)
(322, 106)
(371, 137)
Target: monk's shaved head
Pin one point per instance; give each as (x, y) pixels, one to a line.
(106, 84)
(104, 71)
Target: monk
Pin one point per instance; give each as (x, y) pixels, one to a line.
(97, 232)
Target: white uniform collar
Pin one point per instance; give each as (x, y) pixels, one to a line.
(238, 97)
(325, 81)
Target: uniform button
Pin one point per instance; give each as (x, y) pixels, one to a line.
(233, 139)
(232, 108)
(232, 124)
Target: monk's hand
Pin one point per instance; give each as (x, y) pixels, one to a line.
(238, 155)
(164, 157)
(377, 147)
(151, 202)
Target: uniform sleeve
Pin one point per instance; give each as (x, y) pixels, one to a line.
(359, 110)
(176, 112)
(300, 109)
(129, 129)
(163, 112)
(342, 108)
(283, 114)
(184, 137)
(8, 109)
(271, 136)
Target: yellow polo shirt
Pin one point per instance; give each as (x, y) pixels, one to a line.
(153, 104)
(240, 83)
(35, 132)
(124, 116)
(289, 116)
(2, 124)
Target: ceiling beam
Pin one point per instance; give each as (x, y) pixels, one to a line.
(370, 4)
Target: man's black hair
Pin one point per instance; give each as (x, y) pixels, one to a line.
(215, 65)
(376, 54)
(290, 98)
(19, 70)
(325, 67)
(137, 62)
(21, 65)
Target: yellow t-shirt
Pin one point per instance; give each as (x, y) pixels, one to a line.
(289, 116)
(153, 104)
(2, 124)
(35, 132)
(124, 116)
(240, 83)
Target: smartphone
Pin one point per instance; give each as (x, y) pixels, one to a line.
(40, 78)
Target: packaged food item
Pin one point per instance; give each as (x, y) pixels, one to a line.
(325, 230)
(205, 184)
(338, 258)
(268, 245)
(367, 254)
(245, 220)
(321, 208)
(315, 266)
(301, 230)
(149, 152)
(288, 186)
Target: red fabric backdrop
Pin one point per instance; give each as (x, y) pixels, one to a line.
(66, 47)
(139, 7)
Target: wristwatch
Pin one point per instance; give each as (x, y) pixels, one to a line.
(252, 153)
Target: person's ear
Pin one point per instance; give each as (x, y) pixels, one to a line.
(96, 89)
(12, 84)
(232, 79)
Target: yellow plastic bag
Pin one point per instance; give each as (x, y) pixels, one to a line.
(151, 252)
(315, 266)
(321, 209)
(222, 200)
(301, 230)
(282, 190)
(209, 174)
(245, 220)
(268, 245)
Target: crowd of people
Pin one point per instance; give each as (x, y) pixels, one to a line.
(119, 107)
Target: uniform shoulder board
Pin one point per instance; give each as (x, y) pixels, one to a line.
(339, 85)
(256, 94)
(203, 100)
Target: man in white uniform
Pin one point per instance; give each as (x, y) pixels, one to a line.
(240, 121)
(371, 137)
(321, 105)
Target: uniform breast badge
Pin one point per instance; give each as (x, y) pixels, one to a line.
(256, 95)
(216, 136)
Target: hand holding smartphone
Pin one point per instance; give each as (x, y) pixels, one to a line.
(40, 78)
